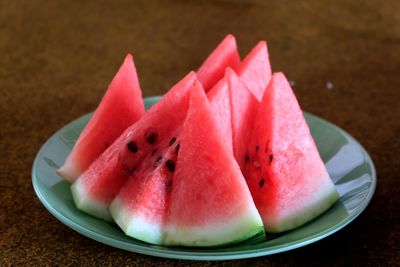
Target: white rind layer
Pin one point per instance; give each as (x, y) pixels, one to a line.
(235, 230)
(87, 204)
(135, 225)
(322, 200)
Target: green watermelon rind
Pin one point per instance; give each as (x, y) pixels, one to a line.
(323, 202)
(137, 227)
(88, 205)
(247, 226)
(253, 237)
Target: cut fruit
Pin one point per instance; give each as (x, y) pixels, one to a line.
(255, 70)
(243, 110)
(150, 205)
(94, 190)
(286, 176)
(210, 202)
(213, 68)
(121, 106)
(220, 104)
(224, 156)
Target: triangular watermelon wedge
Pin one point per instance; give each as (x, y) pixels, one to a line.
(210, 202)
(243, 110)
(224, 55)
(287, 178)
(255, 70)
(145, 204)
(94, 190)
(121, 106)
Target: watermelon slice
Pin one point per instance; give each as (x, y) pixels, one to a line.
(94, 190)
(121, 106)
(213, 68)
(287, 178)
(154, 205)
(220, 104)
(243, 110)
(255, 70)
(210, 203)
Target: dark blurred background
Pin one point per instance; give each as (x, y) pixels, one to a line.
(57, 58)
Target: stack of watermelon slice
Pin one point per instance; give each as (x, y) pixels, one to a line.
(225, 155)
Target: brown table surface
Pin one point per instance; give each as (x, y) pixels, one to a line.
(57, 58)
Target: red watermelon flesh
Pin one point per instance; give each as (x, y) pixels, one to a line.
(287, 178)
(121, 106)
(143, 207)
(94, 190)
(255, 70)
(243, 110)
(220, 104)
(213, 68)
(210, 203)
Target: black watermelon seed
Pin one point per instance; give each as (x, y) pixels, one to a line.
(172, 141)
(178, 146)
(158, 160)
(132, 146)
(246, 158)
(151, 138)
(262, 182)
(154, 151)
(271, 157)
(257, 148)
(170, 164)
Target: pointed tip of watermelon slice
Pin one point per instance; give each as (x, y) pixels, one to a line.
(191, 75)
(259, 50)
(69, 171)
(235, 82)
(229, 72)
(230, 37)
(255, 69)
(129, 57)
(224, 55)
(279, 84)
(128, 65)
(263, 44)
(230, 76)
(280, 76)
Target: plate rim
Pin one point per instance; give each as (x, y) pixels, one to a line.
(200, 255)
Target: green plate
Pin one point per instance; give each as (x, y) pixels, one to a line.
(348, 164)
